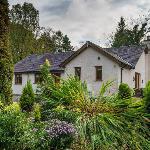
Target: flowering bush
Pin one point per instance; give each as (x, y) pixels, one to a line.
(61, 134)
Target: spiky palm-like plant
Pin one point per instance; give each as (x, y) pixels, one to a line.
(103, 123)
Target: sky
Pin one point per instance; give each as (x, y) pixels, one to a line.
(86, 20)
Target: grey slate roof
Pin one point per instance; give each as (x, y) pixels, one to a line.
(126, 54)
(130, 54)
(33, 62)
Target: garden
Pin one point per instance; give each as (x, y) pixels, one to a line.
(65, 116)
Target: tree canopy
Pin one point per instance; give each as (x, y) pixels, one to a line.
(27, 37)
(126, 36)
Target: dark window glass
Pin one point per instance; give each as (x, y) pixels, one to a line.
(56, 77)
(78, 72)
(98, 73)
(18, 78)
(37, 78)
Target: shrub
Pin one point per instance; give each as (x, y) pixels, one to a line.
(17, 132)
(27, 98)
(147, 97)
(13, 108)
(13, 125)
(125, 92)
(37, 112)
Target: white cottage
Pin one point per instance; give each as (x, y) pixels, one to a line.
(90, 63)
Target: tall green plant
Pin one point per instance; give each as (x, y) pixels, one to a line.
(6, 66)
(101, 123)
(147, 97)
(125, 92)
(105, 87)
(27, 98)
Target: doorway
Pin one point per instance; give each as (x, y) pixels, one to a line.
(137, 80)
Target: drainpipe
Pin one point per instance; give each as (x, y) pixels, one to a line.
(121, 74)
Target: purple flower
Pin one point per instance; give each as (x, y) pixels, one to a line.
(57, 128)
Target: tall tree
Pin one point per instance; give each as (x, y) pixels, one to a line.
(125, 36)
(6, 67)
(51, 41)
(45, 42)
(25, 15)
(22, 42)
(27, 37)
(66, 44)
(24, 24)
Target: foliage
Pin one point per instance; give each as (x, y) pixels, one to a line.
(27, 98)
(35, 137)
(66, 44)
(13, 108)
(6, 66)
(12, 126)
(27, 37)
(53, 41)
(22, 42)
(51, 95)
(1, 106)
(37, 112)
(25, 15)
(24, 24)
(18, 132)
(105, 87)
(125, 92)
(124, 36)
(102, 123)
(147, 97)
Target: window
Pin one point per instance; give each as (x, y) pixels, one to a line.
(18, 78)
(37, 78)
(98, 73)
(56, 77)
(78, 72)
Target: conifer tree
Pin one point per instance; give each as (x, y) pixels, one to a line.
(27, 98)
(126, 36)
(6, 66)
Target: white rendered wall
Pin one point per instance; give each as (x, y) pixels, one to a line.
(87, 60)
(147, 66)
(128, 75)
(17, 88)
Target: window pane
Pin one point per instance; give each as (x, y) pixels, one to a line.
(37, 78)
(98, 73)
(18, 78)
(56, 77)
(78, 72)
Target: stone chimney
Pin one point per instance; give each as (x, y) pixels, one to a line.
(147, 42)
